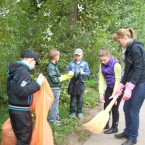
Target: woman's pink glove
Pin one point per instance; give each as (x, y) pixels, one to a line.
(128, 91)
(102, 98)
(119, 89)
(118, 92)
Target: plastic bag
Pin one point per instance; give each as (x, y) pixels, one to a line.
(42, 102)
(42, 133)
(8, 136)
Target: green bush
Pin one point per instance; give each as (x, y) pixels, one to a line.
(65, 25)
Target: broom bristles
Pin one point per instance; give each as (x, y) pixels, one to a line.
(97, 124)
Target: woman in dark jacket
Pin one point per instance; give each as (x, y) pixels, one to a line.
(133, 81)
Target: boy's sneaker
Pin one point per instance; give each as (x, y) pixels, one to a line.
(56, 122)
(57, 118)
(72, 115)
(80, 115)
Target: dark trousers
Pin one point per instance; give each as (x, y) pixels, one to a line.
(22, 126)
(76, 101)
(115, 108)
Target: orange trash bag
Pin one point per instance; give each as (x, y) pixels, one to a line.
(8, 136)
(42, 101)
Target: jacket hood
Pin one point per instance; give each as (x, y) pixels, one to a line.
(15, 68)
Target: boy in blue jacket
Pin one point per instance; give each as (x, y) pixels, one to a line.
(76, 87)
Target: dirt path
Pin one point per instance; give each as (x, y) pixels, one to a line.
(80, 135)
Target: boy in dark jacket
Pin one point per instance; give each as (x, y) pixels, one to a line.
(20, 89)
(53, 75)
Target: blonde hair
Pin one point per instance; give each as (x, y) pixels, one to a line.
(104, 52)
(53, 53)
(124, 32)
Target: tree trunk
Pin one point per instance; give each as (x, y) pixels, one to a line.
(73, 12)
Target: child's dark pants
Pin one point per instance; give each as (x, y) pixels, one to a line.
(115, 108)
(22, 126)
(76, 101)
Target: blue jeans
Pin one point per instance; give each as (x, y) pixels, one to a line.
(54, 112)
(76, 104)
(131, 109)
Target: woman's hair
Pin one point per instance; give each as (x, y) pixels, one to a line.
(124, 32)
(53, 53)
(104, 52)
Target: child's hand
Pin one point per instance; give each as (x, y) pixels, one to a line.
(111, 97)
(41, 79)
(102, 98)
(71, 72)
(81, 72)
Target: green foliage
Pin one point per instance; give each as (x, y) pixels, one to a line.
(64, 25)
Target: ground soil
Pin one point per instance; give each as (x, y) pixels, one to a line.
(80, 135)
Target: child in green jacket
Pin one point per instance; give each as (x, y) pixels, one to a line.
(53, 75)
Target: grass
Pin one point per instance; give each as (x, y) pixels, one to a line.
(82, 137)
(67, 124)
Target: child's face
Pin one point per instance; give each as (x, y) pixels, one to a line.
(104, 59)
(78, 57)
(56, 58)
(32, 63)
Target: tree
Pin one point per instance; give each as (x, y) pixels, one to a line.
(65, 25)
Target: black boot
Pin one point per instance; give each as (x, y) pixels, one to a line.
(111, 130)
(121, 135)
(114, 127)
(130, 142)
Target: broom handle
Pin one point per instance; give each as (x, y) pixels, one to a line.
(109, 107)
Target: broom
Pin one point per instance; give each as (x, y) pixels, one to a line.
(97, 124)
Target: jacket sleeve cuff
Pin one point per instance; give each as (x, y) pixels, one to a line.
(38, 83)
